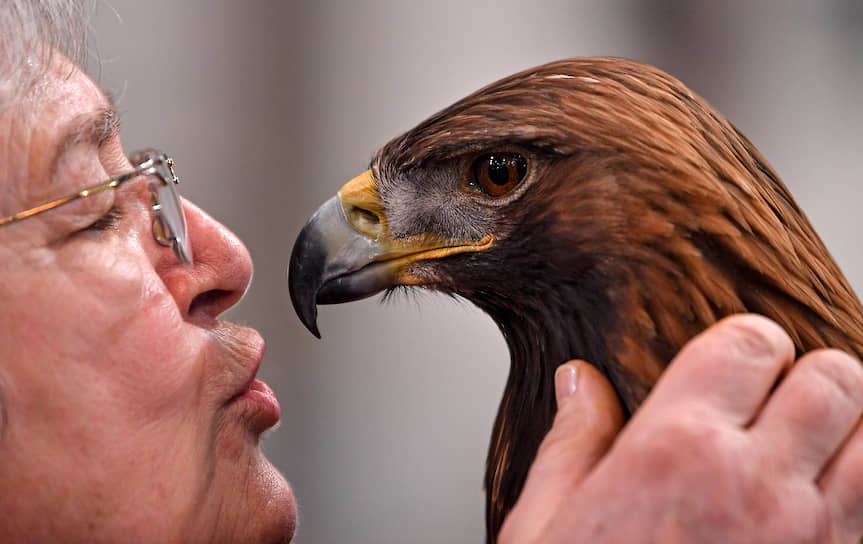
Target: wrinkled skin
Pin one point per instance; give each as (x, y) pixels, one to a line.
(116, 373)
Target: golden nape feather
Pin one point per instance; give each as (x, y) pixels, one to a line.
(595, 208)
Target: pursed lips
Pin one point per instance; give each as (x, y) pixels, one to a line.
(255, 400)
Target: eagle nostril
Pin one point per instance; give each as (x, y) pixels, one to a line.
(365, 221)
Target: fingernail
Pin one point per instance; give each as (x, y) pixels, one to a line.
(565, 382)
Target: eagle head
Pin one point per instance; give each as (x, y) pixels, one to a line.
(595, 208)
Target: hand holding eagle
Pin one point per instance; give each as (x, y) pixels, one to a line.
(596, 209)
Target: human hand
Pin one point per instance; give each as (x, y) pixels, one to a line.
(715, 454)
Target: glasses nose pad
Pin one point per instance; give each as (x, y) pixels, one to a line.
(158, 228)
(159, 233)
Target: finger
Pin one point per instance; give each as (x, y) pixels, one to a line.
(842, 485)
(813, 411)
(588, 418)
(729, 370)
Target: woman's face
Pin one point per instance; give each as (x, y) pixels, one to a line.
(130, 410)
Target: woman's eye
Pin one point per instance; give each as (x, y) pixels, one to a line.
(496, 174)
(109, 221)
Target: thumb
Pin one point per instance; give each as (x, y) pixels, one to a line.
(589, 416)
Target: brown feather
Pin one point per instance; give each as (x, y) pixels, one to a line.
(656, 202)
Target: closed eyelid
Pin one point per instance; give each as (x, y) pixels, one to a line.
(110, 220)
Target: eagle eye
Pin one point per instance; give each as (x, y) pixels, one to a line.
(496, 174)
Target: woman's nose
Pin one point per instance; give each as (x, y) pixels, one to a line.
(221, 271)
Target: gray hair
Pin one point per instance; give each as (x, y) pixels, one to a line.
(31, 33)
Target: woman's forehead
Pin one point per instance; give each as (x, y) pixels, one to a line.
(65, 108)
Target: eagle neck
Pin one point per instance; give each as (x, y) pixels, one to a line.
(540, 337)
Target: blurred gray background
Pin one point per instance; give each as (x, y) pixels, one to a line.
(269, 107)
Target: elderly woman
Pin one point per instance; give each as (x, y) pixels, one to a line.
(129, 412)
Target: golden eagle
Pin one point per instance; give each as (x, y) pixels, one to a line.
(595, 208)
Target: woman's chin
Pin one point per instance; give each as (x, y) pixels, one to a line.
(277, 511)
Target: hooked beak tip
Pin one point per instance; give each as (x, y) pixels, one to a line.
(304, 303)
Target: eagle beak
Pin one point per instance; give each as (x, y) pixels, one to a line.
(345, 252)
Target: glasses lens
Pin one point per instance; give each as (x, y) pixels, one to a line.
(170, 225)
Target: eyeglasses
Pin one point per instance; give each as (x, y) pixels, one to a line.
(169, 217)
